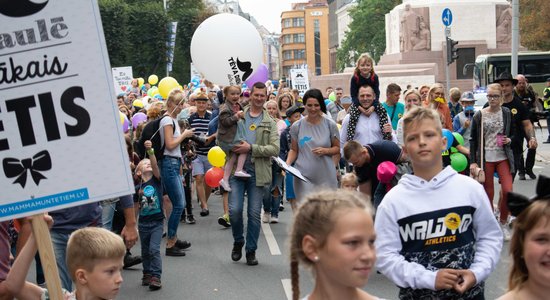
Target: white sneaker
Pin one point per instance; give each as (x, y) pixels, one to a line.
(266, 217)
(505, 232)
(225, 185)
(274, 220)
(242, 174)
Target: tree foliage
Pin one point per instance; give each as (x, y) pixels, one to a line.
(367, 31)
(534, 24)
(136, 32)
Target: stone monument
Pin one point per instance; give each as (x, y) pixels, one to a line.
(416, 45)
(415, 37)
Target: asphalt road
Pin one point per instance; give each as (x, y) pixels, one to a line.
(207, 272)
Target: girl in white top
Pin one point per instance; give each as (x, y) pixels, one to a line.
(333, 234)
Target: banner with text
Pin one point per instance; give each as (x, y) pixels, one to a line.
(122, 78)
(299, 79)
(61, 141)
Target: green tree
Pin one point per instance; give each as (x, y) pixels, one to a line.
(367, 31)
(189, 15)
(136, 32)
(534, 24)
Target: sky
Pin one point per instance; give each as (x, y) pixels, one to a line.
(267, 12)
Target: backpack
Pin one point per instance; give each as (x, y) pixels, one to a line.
(151, 132)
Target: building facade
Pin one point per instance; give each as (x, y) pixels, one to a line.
(339, 20)
(305, 38)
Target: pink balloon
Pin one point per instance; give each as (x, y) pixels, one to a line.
(260, 75)
(138, 118)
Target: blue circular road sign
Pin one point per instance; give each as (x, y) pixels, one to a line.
(447, 17)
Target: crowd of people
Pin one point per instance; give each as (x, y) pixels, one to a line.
(378, 190)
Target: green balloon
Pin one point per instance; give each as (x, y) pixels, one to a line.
(459, 138)
(454, 150)
(332, 97)
(459, 162)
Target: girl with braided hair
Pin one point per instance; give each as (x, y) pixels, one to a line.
(333, 235)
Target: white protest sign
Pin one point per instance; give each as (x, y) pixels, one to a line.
(122, 79)
(61, 141)
(300, 79)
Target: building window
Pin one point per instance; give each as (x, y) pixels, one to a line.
(317, 47)
(287, 54)
(300, 54)
(287, 23)
(465, 56)
(287, 38)
(298, 22)
(299, 38)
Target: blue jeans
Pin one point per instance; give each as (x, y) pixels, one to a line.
(379, 194)
(254, 208)
(59, 241)
(271, 202)
(172, 182)
(150, 234)
(109, 208)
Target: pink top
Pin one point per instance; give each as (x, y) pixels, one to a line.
(281, 125)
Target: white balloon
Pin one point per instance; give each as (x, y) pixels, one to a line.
(226, 49)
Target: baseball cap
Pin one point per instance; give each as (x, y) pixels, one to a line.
(295, 108)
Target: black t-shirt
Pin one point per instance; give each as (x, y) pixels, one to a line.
(379, 152)
(519, 114)
(149, 196)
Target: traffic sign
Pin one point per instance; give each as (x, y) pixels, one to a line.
(447, 32)
(447, 17)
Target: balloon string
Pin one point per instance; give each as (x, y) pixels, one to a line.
(170, 115)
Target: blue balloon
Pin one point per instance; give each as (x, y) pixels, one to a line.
(327, 102)
(450, 138)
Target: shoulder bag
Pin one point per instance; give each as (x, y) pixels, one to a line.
(479, 174)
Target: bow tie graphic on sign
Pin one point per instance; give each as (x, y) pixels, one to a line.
(14, 167)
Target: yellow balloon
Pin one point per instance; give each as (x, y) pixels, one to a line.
(167, 84)
(122, 117)
(141, 81)
(216, 157)
(153, 79)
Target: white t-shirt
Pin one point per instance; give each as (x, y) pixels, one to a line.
(367, 130)
(167, 120)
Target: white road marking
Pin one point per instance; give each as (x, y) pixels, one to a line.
(287, 286)
(270, 238)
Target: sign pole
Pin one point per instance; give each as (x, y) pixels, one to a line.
(41, 233)
(447, 19)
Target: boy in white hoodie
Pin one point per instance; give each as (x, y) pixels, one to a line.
(437, 236)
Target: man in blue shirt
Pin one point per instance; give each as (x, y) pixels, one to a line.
(395, 109)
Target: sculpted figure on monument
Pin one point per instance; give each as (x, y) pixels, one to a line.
(504, 28)
(423, 41)
(410, 24)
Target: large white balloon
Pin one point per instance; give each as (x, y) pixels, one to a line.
(226, 49)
